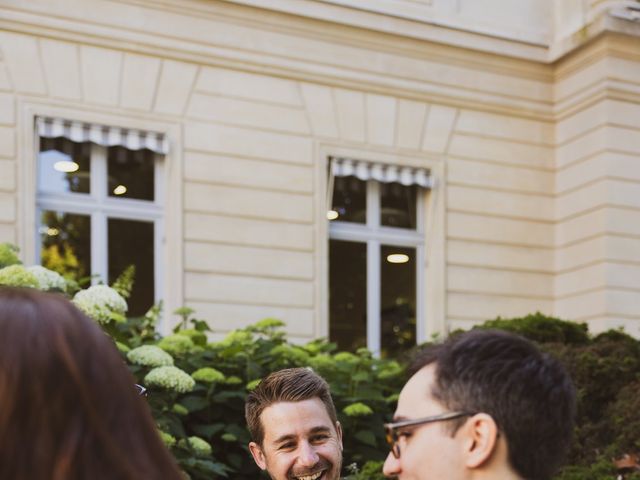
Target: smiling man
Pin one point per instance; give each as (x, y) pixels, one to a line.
(485, 405)
(292, 420)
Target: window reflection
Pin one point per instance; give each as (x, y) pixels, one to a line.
(131, 173)
(398, 205)
(64, 166)
(66, 243)
(348, 294)
(398, 299)
(131, 243)
(349, 200)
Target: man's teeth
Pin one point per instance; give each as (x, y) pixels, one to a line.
(310, 477)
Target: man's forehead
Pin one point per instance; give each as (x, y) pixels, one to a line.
(295, 419)
(415, 398)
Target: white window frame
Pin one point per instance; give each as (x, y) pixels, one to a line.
(100, 207)
(169, 241)
(374, 235)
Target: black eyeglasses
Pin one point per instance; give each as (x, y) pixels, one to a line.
(141, 390)
(391, 429)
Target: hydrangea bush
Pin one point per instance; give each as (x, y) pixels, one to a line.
(197, 388)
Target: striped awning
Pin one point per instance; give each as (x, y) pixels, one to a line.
(102, 135)
(346, 167)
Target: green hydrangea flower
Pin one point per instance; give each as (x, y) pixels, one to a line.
(229, 437)
(176, 345)
(170, 378)
(320, 362)
(150, 356)
(168, 440)
(8, 255)
(18, 276)
(198, 338)
(48, 279)
(294, 354)
(392, 369)
(345, 357)
(180, 409)
(102, 303)
(237, 336)
(208, 375)
(357, 409)
(232, 380)
(200, 447)
(269, 323)
(253, 384)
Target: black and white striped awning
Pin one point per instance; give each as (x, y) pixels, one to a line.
(102, 135)
(346, 167)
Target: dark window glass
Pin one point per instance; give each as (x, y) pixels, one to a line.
(65, 240)
(64, 166)
(348, 294)
(397, 299)
(398, 205)
(349, 200)
(131, 243)
(131, 173)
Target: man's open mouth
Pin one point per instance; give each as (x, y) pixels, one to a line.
(312, 476)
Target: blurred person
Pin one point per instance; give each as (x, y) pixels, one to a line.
(69, 409)
(293, 424)
(484, 405)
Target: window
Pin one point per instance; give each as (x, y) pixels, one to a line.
(99, 204)
(376, 245)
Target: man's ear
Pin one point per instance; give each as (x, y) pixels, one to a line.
(339, 433)
(480, 442)
(258, 455)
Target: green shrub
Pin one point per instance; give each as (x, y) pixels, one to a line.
(197, 388)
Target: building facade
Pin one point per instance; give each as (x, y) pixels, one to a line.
(268, 158)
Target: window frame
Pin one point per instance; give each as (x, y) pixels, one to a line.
(169, 240)
(431, 319)
(374, 235)
(100, 207)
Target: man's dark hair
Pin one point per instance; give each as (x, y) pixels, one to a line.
(528, 393)
(288, 385)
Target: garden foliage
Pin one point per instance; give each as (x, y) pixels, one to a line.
(197, 387)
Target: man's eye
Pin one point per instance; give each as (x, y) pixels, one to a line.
(287, 446)
(405, 434)
(319, 438)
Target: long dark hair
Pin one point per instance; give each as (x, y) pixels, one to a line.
(68, 406)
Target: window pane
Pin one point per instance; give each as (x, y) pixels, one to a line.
(398, 299)
(131, 173)
(398, 205)
(348, 294)
(65, 240)
(349, 200)
(64, 166)
(131, 243)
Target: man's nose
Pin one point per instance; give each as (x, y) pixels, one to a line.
(307, 456)
(391, 466)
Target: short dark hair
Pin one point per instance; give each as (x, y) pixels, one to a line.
(68, 406)
(288, 385)
(528, 393)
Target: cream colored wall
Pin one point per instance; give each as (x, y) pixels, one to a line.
(254, 103)
(598, 187)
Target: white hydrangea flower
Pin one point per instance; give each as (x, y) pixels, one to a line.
(100, 302)
(47, 279)
(150, 356)
(170, 378)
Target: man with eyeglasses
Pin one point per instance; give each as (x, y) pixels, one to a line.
(484, 405)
